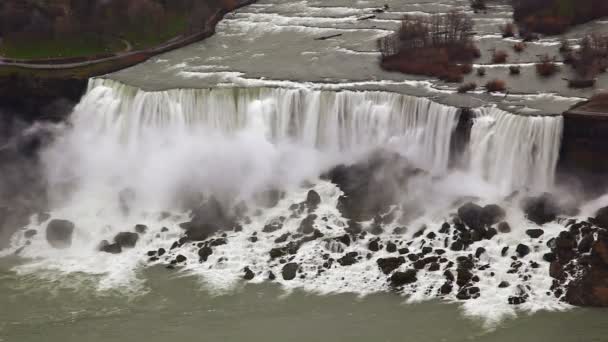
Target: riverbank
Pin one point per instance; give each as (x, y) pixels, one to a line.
(29, 87)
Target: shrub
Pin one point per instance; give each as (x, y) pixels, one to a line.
(546, 66)
(465, 88)
(466, 68)
(499, 56)
(496, 86)
(519, 47)
(478, 5)
(508, 30)
(481, 72)
(514, 69)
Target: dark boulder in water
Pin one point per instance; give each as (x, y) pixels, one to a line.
(348, 259)
(471, 214)
(107, 247)
(204, 253)
(388, 265)
(126, 239)
(541, 209)
(141, 228)
(535, 233)
(312, 200)
(289, 271)
(492, 214)
(59, 233)
(30, 233)
(248, 273)
(601, 217)
(307, 224)
(198, 231)
(503, 227)
(403, 278)
(522, 250)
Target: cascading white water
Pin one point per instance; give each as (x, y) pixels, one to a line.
(515, 152)
(337, 122)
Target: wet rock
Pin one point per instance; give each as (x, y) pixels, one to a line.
(126, 239)
(586, 243)
(248, 273)
(457, 246)
(164, 229)
(504, 251)
(106, 247)
(479, 251)
(541, 209)
(388, 265)
(471, 215)
(59, 233)
(161, 251)
(403, 278)
(271, 276)
(535, 233)
(446, 288)
(433, 267)
(204, 253)
(492, 214)
(30, 233)
(391, 247)
(198, 232)
(445, 228)
(516, 300)
(348, 259)
(306, 226)
(180, 258)
(503, 284)
(312, 200)
(141, 228)
(373, 246)
(601, 217)
(503, 227)
(399, 231)
(449, 275)
(272, 226)
(150, 253)
(282, 238)
(289, 271)
(43, 217)
(522, 250)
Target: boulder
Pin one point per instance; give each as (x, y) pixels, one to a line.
(348, 259)
(289, 271)
(492, 214)
(601, 217)
(503, 227)
(141, 228)
(541, 209)
(59, 233)
(107, 247)
(126, 239)
(388, 265)
(204, 253)
(403, 278)
(471, 215)
(535, 233)
(522, 250)
(312, 200)
(248, 273)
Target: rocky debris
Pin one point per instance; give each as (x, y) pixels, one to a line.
(579, 264)
(141, 228)
(126, 239)
(248, 273)
(388, 265)
(274, 225)
(208, 219)
(289, 271)
(399, 279)
(601, 217)
(477, 218)
(59, 233)
(348, 259)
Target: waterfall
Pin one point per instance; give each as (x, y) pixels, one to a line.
(508, 151)
(338, 122)
(515, 152)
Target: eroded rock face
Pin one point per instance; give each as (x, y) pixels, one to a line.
(59, 233)
(579, 264)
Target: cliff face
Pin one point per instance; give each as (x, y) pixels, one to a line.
(585, 144)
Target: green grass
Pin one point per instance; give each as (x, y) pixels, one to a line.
(77, 46)
(175, 25)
